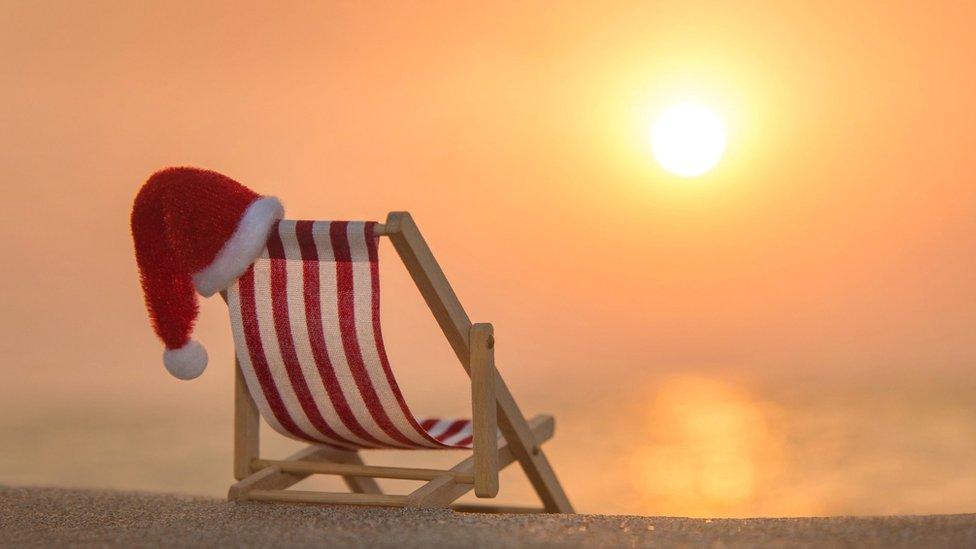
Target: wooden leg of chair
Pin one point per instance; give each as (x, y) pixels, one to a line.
(247, 425)
(484, 408)
(247, 422)
(443, 491)
(528, 452)
(273, 478)
(545, 482)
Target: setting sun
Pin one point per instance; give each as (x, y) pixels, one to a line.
(688, 139)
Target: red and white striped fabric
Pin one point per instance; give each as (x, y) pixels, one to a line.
(306, 325)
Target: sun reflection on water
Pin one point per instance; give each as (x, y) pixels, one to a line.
(708, 446)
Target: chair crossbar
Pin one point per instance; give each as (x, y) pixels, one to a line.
(353, 470)
(338, 498)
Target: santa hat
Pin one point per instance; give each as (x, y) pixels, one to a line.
(194, 230)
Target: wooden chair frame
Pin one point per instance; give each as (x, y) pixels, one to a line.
(493, 409)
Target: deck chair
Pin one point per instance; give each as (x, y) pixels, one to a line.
(310, 360)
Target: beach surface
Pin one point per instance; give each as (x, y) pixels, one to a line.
(59, 517)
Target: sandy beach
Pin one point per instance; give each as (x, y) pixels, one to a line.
(59, 517)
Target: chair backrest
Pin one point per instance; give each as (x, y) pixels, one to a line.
(306, 323)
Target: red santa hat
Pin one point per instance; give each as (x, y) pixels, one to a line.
(194, 230)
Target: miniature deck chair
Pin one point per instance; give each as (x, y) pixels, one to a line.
(311, 362)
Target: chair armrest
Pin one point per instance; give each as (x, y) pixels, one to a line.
(483, 410)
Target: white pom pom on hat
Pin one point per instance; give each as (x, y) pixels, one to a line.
(187, 362)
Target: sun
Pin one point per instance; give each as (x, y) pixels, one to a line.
(688, 139)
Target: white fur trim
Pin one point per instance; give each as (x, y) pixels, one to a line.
(242, 248)
(187, 362)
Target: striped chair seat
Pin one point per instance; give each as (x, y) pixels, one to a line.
(306, 323)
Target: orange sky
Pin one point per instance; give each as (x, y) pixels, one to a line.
(836, 238)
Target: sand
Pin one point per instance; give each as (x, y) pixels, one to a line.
(56, 517)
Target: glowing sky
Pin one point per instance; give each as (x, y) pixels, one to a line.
(834, 240)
